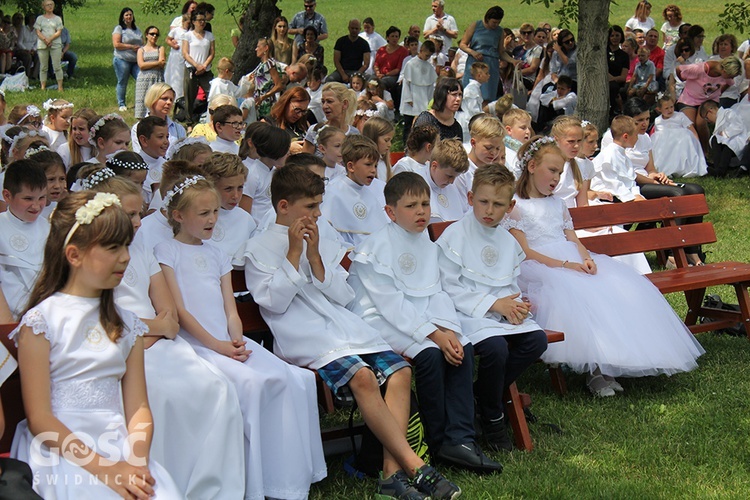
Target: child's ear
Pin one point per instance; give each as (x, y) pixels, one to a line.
(142, 139)
(390, 213)
(282, 207)
(473, 142)
(177, 216)
(7, 196)
(510, 206)
(470, 198)
(350, 166)
(73, 255)
(434, 166)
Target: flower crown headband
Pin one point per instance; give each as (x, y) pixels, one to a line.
(24, 135)
(368, 113)
(4, 135)
(180, 188)
(97, 178)
(112, 161)
(50, 104)
(86, 214)
(174, 148)
(32, 111)
(534, 148)
(32, 151)
(99, 124)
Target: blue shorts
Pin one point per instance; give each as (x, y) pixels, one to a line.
(339, 372)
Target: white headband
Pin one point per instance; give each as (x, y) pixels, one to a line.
(97, 178)
(86, 214)
(180, 188)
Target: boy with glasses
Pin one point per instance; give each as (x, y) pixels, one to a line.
(228, 124)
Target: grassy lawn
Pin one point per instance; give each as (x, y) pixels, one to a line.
(681, 437)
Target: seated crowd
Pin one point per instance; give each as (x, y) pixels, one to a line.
(289, 171)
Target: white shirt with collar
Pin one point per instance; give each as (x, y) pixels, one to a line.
(446, 203)
(615, 173)
(221, 145)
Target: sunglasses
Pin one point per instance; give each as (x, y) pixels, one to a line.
(152, 34)
(569, 40)
(526, 32)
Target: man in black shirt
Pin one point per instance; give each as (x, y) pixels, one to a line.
(351, 54)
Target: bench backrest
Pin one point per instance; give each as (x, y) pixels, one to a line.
(671, 236)
(436, 229)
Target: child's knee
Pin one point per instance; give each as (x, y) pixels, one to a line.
(363, 381)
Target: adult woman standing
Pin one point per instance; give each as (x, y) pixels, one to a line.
(159, 101)
(188, 9)
(48, 28)
(266, 77)
(309, 47)
(483, 40)
(283, 44)
(174, 71)
(127, 39)
(151, 61)
(389, 59)
(446, 102)
(640, 19)
(198, 50)
(618, 64)
(290, 114)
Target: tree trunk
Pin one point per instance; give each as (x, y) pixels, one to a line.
(593, 81)
(257, 23)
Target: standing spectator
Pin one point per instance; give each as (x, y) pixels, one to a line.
(389, 59)
(127, 39)
(26, 45)
(67, 54)
(151, 62)
(198, 49)
(283, 45)
(441, 24)
(618, 65)
(310, 47)
(351, 54)
(308, 17)
(188, 9)
(671, 27)
(640, 19)
(373, 39)
(484, 41)
(209, 10)
(174, 71)
(48, 28)
(657, 53)
(8, 39)
(267, 79)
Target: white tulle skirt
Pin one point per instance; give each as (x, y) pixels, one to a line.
(678, 153)
(615, 320)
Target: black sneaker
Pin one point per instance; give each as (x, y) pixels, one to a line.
(468, 456)
(434, 485)
(397, 486)
(496, 436)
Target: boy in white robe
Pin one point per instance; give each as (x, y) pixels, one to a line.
(296, 278)
(234, 226)
(354, 204)
(614, 171)
(449, 160)
(479, 266)
(418, 85)
(729, 142)
(23, 232)
(473, 102)
(153, 138)
(396, 279)
(486, 146)
(228, 124)
(517, 123)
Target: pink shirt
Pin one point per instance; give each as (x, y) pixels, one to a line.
(699, 86)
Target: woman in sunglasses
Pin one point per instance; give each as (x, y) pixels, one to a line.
(564, 60)
(151, 61)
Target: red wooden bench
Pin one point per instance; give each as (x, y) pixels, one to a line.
(691, 280)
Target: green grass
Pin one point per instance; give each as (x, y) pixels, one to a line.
(681, 437)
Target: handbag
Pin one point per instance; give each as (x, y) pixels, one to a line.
(15, 83)
(520, 94)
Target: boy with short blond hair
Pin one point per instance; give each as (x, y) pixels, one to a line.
(223, 85)
(449, 160)
(473, 101)
(354, 203)
(487, 135)
(614, 170)
(296, 278)
(395, 276)
(479, 265)
(517, 123)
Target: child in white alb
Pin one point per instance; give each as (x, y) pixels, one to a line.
(354, 203)
(449, 160)
(23, 231)
(283, 451)
(487, 147)
(675, 143)
(517, 123)
(419, 146)
(200, 402)
(473, 102)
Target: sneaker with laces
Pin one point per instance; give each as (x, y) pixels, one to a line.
(430, 482)
(123, 109)
(397, 485)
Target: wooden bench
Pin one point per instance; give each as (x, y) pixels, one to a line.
(692, 280)
(10, 393)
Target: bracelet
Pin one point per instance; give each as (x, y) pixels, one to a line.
(564, 262)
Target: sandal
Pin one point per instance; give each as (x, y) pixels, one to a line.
(599, 387)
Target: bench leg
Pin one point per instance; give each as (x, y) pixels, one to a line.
(325, 396)
(743, 300)
(694, 299)
(558, 379)
(517, 418)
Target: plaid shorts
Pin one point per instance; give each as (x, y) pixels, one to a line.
(339, 372)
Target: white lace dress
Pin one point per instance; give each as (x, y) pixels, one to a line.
(85, 372)
(676, 150)
(616, 319)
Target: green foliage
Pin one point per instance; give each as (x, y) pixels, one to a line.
(161, 6)
(566, 12)
(35, 6)
(736, 17)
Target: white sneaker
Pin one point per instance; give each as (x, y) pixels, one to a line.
(123, 108)
(599, 387)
